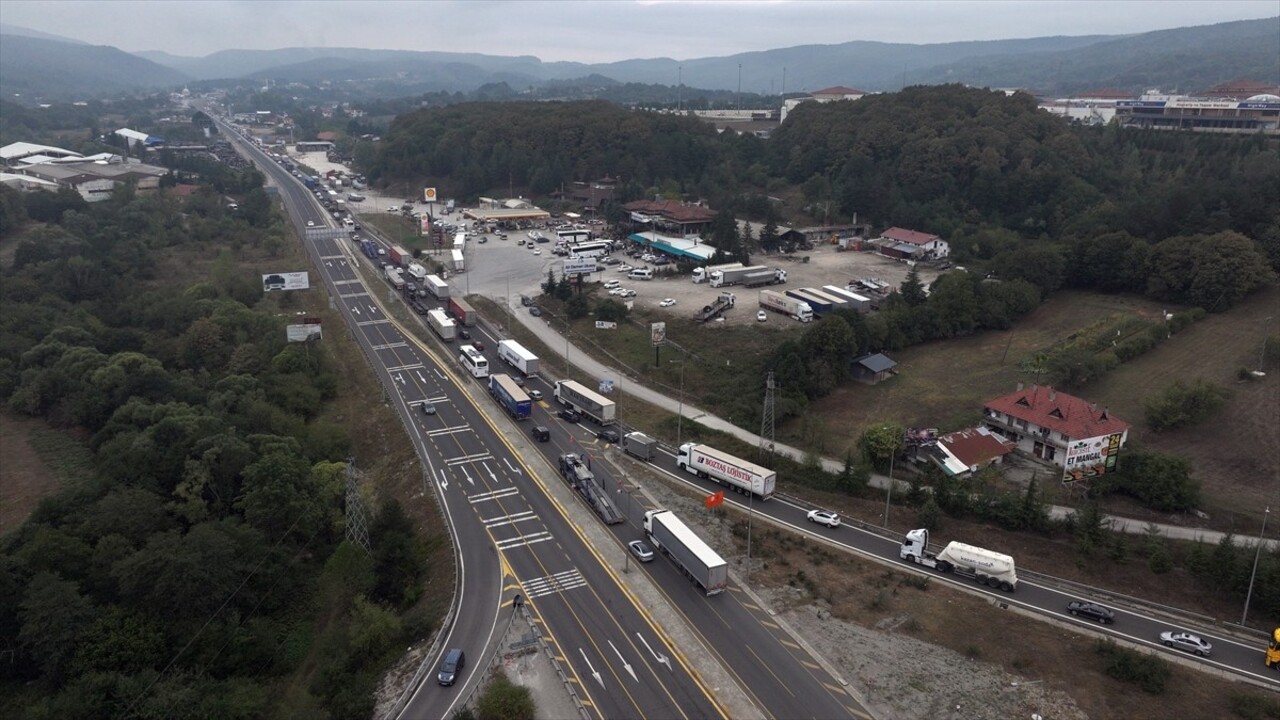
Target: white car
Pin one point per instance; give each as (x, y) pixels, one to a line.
(617, 292)
(534, 394)
(760, 316)
(536, 251)
(624, 268)
(628, 293)
(824, 517)
(311, 223)
(667, 302)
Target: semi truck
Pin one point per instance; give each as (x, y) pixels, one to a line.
(716, 308)
(986, 567)
(442, 325)
(395, 277)
(777, 302)
(575, 396)
(578, 473)
(694, 557)
(438, 288)
(639, 446)
(511, 396)
(399, 255)
(733, 276)
(515, 355)
(732, 472)
(458, 262)
(462, 311)
(1273, 650)
(701, 275)
(771, 276)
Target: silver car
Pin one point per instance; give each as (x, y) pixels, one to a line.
(1186, 642)
(641, 550)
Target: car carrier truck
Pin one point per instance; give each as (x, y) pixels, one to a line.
(986, 567)
(694, 557)
(732, 472)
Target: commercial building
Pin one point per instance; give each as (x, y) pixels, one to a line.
(95, 180)
(912, 245)
(831, 94)
(1255, 114)
(672, 216)
(1058, 428)
(690, 248)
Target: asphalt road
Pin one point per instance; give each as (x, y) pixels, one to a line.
(510, 537)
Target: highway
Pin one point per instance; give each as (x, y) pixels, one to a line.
(509, 536)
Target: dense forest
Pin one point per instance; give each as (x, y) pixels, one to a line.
(200, 562)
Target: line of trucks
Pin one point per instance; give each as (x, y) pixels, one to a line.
(805, 304)
(739, 274)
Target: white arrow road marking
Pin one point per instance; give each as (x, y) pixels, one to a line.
(400, 378)
(373, 309)
(420, 378)
(594, 674)
(656, 656)
(493, 477)
(625, 664)
(355, 309)
(444, 479)
(511, 467)
(439, 374)
(467, 475)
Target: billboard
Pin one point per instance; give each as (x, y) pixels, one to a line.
(579, 266)
(304, 333)
(429, 195)
(426, 224)
(1091, 458)
(285, 281)
(606, 325)
(658, 333)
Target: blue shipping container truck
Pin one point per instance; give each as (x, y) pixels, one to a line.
(511, 396)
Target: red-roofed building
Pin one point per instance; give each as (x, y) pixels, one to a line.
(671, 215)
(1057, 427)
(912, 245)
(966, 451)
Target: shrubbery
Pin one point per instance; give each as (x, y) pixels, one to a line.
(1142, 669)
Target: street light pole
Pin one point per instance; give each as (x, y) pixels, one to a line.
(680, 415)
(1256, 554)
(889, 491)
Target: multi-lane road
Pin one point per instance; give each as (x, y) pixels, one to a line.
(511, 536)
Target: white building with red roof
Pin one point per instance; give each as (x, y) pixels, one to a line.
(913, 245)
(1059, 428)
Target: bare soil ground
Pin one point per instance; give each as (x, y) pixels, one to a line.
(25, 478)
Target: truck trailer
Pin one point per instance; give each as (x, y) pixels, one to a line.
(511, 396)
(777, 302)
(399, 255)
(854, 301)
(515, 355)
(820, 305)
(694, 557)
(438, 288)
(442, 325)
(986, 567)
(768, 276)
(462, 310)
(639, 446)
(732, 472)
(395, 277)
(458, 262)
(734, 276)
(701, 275)
(577, 397)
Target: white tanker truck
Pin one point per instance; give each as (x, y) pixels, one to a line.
(986, 567)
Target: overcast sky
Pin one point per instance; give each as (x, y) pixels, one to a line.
(599, 31)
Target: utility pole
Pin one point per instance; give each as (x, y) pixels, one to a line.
(739, 86)
(357, 526)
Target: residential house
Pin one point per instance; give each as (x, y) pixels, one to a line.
(1059, 428)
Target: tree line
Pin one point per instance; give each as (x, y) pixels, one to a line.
(201, 562)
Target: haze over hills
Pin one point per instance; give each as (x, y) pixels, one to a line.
(1186, 59)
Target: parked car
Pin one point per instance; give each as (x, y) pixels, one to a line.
(569, 415)
(1186, 642)
(824, 517)
(535, 311)
(641, 550)
(667, 302)
(1091, 611)
(525, 300)
(760, 316)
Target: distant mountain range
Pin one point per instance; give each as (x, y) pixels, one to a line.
(36, 64)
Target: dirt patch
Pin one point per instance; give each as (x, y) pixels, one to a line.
(25, 479)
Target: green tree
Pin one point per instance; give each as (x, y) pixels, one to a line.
(1214, 272)
(611, 311)
(504, 700)
(53, 615)
(578, 307)
(912, 290)
(880, 442)
(930, 516)
(1182, 404)
(372, 630)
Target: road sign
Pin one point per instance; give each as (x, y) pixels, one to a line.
(579, 266)
(429, 195)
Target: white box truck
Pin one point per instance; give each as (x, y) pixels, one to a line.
(442, 325)
(576, 396)
(515, 355)
(438, 288)
(986, 567)
(674, 539)
(417, 271)
(777, 302)
(732, 472)
(458, 263)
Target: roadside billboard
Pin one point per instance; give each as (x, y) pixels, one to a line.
(579, 266)
(658, 333)
(304, 333)
(285, 281)
(429, 195)
(1091, 458)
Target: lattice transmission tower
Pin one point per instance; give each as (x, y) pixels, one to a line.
(357, 518)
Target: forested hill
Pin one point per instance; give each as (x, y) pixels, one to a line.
(944, 159)
(471, 149)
